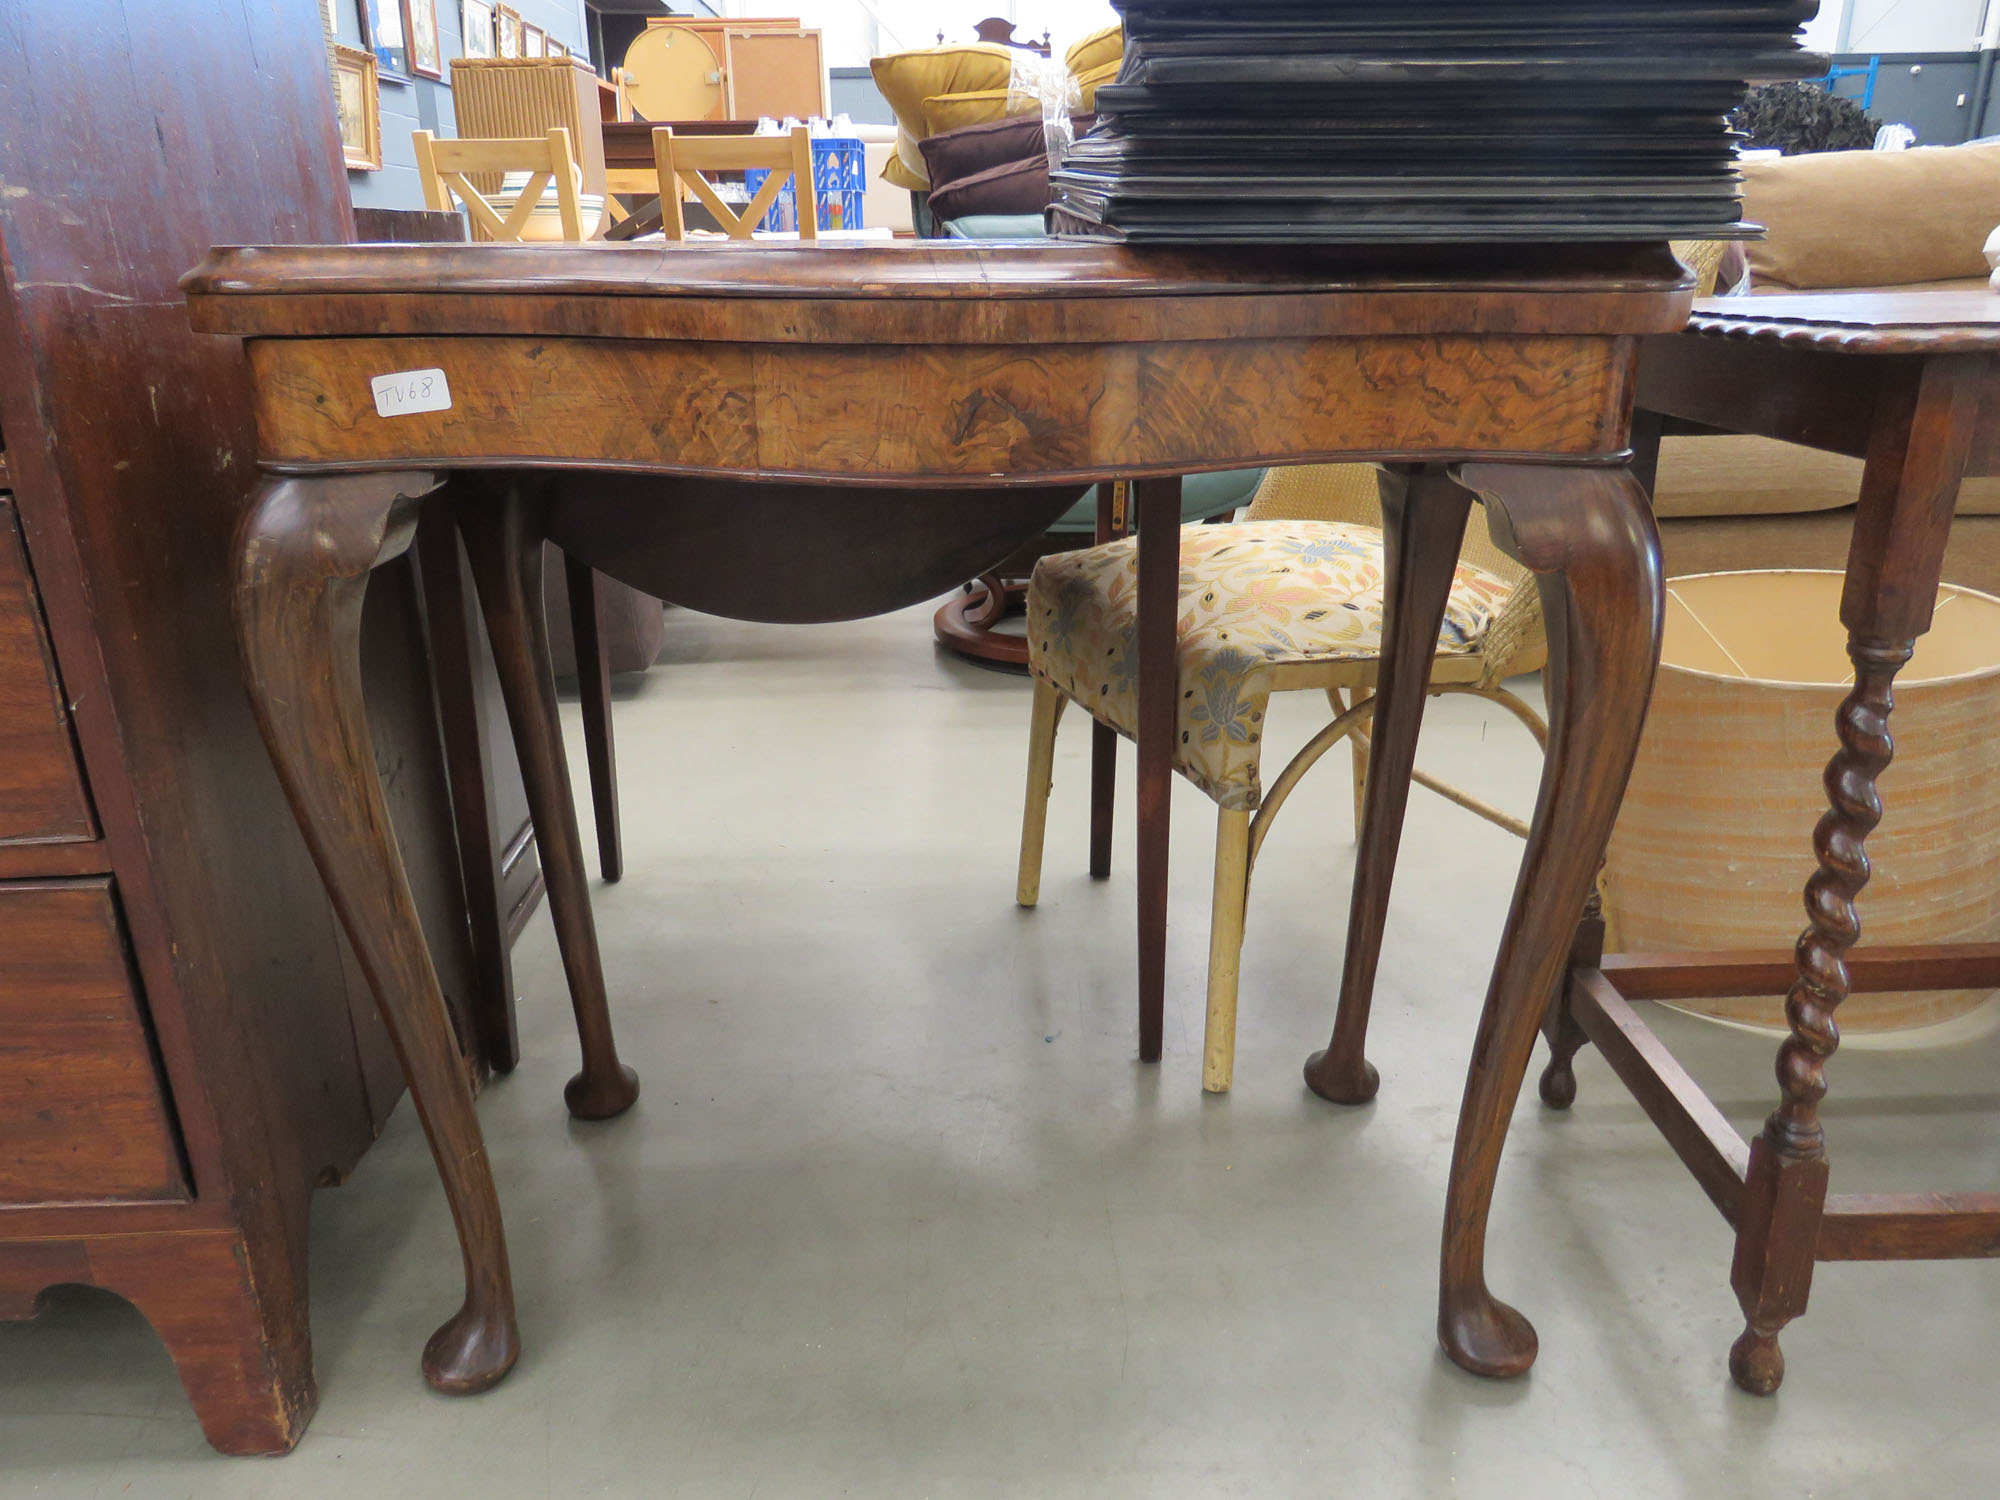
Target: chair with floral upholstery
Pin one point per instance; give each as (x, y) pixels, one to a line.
(1291, 598)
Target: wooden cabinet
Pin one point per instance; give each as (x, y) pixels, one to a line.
(186, 1047)
(83, 1104)
(41, 786)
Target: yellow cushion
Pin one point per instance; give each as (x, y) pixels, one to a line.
(981, 107)
(1089, 82)
(907, 79)
(1254, 596)
(1872, 218)
(1097, 49)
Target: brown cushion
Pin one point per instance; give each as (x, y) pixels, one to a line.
(907, 79)
(978, 148)
(1872, 218)
(1015, 187)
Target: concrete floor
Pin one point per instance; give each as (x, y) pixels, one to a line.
(898, 1214)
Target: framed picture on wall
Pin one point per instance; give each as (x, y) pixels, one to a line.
(506, 31)
(382, 33)
(357, 101)
(553, 48)
(475, 25)
(533, 41)
(420, 27)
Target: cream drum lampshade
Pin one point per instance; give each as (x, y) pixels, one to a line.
(1714, 842)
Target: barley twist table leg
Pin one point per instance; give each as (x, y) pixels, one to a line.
(1918, 447)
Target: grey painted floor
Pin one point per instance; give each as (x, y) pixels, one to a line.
(898, 1215)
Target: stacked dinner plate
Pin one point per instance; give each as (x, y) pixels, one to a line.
(1326, 121)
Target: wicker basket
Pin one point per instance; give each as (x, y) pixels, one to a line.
(1714, 842)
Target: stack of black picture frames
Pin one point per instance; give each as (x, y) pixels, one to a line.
(1386, 121)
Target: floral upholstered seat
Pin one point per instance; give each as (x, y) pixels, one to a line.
(1292, 598)
(1258, 600)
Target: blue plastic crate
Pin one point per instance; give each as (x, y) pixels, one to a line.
(840, 174)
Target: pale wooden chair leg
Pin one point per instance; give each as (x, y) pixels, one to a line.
(1048, 709)
(1225, 947)
(1357, 745)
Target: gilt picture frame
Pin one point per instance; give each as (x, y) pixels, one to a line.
(357, 102)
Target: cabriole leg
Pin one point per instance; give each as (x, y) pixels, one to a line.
(303, 558)
(1589, 535)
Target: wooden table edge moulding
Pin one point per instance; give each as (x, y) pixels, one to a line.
(962, 376)
(1907, 382)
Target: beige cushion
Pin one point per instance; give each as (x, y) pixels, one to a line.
(1750, 476)
(1756, 476)
(1956, 284)
(1979, 497)
(907, 79)
(1097, 49)
(1872, 218)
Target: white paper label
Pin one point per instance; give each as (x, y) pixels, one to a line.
(410, 391)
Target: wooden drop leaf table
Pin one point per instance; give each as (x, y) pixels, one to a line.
(934, 401)
(1909, 382)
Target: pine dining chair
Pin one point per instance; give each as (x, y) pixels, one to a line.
(683, 159)
(447, 168)
(530, 168)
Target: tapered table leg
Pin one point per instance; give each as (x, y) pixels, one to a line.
(304, 554)
(1112, 502)
(1589, 536)
(1158, 504)
(1918, 449)
(454, 644)
(502, 523)
(1423, 524)
(593, 685)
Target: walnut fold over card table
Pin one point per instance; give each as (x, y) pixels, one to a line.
(913, 412)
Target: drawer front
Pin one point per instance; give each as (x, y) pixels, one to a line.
(42, 797)
(83, 1107)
